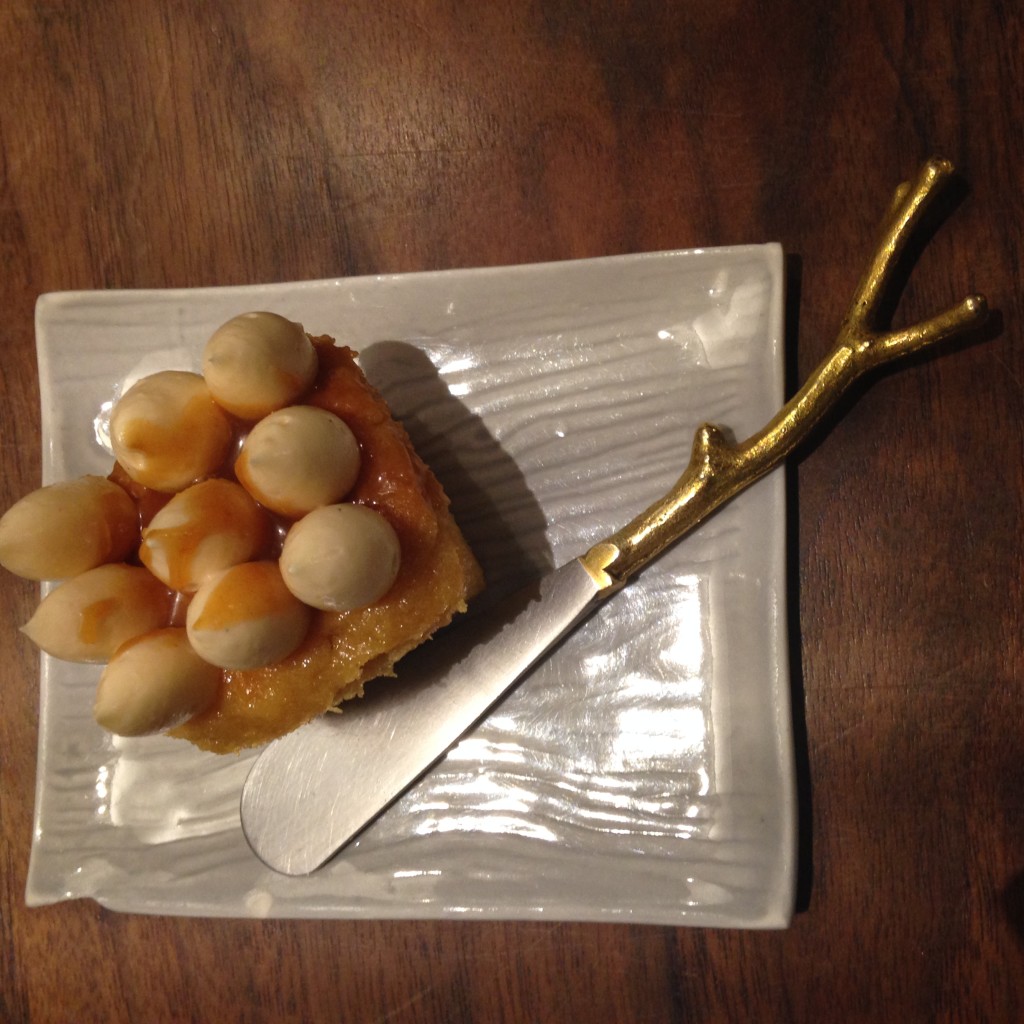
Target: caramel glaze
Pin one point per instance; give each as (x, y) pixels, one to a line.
(93, 619)
(219, 507)
(202, 429)
(253, 590)
(343, 650)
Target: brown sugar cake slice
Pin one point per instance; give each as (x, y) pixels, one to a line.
(438, 574)
(267, 541)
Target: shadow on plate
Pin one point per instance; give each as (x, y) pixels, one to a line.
(490, 498)
(498, 514)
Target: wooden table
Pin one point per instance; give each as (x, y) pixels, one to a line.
(175, 144)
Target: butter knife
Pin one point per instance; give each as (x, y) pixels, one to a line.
(314, 790)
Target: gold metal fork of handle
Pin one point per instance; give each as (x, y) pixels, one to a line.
(719, 469)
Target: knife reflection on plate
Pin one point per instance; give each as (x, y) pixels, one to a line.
(393, 736)
(312, 791)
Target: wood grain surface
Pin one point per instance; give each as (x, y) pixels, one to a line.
(179, 144)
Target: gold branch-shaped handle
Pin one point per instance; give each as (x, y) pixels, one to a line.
(719, 469)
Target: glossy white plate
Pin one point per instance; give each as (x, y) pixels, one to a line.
(644, 772)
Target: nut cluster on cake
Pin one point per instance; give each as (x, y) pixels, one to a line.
(244, 533)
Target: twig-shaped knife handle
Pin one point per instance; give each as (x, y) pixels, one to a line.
(720, 469)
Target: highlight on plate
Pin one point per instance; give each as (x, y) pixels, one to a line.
(267, 541)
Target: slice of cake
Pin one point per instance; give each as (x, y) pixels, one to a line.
(296, 545)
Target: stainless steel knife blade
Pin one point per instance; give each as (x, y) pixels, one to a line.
(312, 791)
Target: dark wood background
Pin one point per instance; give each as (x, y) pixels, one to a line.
(176, 143)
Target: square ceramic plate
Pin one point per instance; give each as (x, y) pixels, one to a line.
(644, 772)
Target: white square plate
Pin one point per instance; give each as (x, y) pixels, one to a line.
(644, 772)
